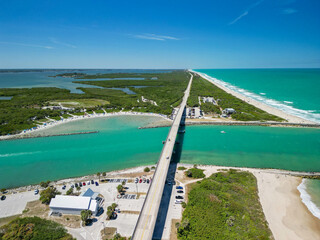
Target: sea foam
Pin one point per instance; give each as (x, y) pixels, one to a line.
(284, 106)
(306, 199)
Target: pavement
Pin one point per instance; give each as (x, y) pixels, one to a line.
(147, 219)
(14, 204)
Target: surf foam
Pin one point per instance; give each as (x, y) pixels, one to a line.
(306, 199)
(305, 114)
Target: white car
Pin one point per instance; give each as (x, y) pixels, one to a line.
(178, 202)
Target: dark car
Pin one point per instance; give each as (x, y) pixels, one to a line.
(76, 185)
(64, 187)
(148, 181)
(92, 182)
(3, 197)
(179, 197)
(179, 191)
(80, 184)
(179, 187)
(97, 184)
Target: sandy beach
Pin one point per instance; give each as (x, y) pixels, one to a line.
(288, 217)
(42, 128)
(265, 107)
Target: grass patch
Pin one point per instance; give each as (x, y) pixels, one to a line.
(82, 103)
(224, 206)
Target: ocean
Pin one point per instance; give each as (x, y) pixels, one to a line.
(295, 91)
(120, 144)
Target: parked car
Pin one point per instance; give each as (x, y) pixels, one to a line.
(179, 187)
(36, 192)
(92, 182)
(97, 184)
(72, 186)
(148, 181)
(83, 183)
(178, 202)
(179, 197)
(144, 180)
(137, 180)
(80, 184)
(76, 185)
(3, 197)
(140, 181)
(64, 187)
(88, 183)
(179, 191)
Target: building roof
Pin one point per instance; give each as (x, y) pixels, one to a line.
(93, 206)
(73, 202)
(90, 193)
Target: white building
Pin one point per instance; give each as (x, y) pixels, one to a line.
(73, 204)
(228, 111)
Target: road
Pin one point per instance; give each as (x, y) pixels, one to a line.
(148, 216)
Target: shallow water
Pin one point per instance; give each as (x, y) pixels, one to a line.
(120, 144)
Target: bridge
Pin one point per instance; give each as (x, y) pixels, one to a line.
(148, 215)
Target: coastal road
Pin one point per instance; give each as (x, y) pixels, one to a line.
(148, 216)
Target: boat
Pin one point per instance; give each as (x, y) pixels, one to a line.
(223, 132)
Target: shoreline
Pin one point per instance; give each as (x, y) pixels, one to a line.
(189, 122)
(287, 216)
(30, 133)
(267, 108)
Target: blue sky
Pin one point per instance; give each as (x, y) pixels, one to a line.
(159, 34)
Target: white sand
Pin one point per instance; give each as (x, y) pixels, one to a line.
(29, 133)
(288, 217)
(264, 107)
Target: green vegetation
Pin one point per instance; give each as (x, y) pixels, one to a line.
(120, 188)
(70, 191)
(47, 194)
(30, 228)
(244, 111)
(25, 109)
(224, 206)
(85, 216)
(195, 173)
(146, 169)
(110, 210)
(182, 168)
(45, 184)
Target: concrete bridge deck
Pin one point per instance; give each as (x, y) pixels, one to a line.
(148, 216)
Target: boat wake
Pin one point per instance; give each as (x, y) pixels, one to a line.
(18, 154)
(284, 106)
(306, 199)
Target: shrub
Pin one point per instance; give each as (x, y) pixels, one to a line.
(182, 168)
(104, 174)
(45, 184)
(47, 194)
(146, 169)
(70, 191)
(34, 228)
(195, 173)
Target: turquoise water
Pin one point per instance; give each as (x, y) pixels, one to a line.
(20, 79)
(295, 91)
(120, 144)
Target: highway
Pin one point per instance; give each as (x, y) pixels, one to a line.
(147, 218)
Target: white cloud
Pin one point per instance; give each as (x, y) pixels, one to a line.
(55, 41)
(150, 36)
(27, 45)
(246, 12)
(289, 11)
